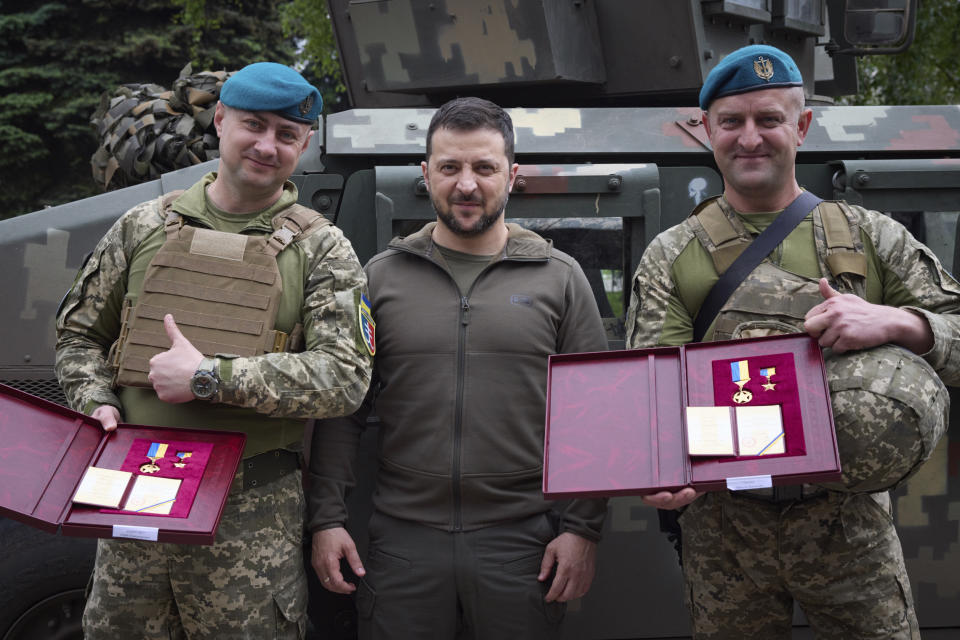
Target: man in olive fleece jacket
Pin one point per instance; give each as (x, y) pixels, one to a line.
(468, 309)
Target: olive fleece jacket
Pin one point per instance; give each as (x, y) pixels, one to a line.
(460, 388)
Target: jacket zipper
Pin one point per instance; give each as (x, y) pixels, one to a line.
(458, 415)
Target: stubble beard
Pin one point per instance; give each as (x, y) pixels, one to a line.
(482, 224)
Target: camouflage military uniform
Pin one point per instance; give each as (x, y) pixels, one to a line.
(250, 583)
(746, 559)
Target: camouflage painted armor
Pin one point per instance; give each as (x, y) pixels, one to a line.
(746, 560)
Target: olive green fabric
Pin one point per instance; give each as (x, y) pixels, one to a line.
(461, 390)
(464, 267)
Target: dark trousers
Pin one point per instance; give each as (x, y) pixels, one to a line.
(425, 583)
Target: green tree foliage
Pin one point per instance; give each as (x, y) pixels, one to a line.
(928, 72)
(309, 22)
(58, 57)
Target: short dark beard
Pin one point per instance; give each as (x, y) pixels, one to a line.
(483, 223)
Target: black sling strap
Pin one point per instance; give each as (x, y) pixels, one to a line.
(747, 261)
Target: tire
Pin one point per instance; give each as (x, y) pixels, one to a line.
(43, 578)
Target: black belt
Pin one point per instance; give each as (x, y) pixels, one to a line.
(266, 467)
(784, 494)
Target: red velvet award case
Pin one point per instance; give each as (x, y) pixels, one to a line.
(616, 420)
(46, 448)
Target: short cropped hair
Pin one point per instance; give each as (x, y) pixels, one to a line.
(470, 114)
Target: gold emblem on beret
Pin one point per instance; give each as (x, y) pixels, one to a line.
(763, 67)
(307, 104)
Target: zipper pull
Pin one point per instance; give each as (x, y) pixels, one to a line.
(464, 311)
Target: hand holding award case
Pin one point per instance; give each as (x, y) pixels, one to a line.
(45, 450)
(617, 420)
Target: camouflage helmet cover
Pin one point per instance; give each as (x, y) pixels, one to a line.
(890, 410)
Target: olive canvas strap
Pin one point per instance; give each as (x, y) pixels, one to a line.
(747, 261)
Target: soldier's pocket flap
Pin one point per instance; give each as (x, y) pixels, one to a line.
(291, 601)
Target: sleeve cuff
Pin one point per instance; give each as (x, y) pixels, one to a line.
(938, 356)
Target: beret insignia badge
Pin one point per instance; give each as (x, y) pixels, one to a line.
(763, 67)
(306, 105)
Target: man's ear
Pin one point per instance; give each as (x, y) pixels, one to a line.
(425, 169)
(306, 141)
(705, 119)
(218, 117)
(803, 125)
(513, 174)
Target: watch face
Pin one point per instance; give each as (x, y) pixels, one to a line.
(203, 385)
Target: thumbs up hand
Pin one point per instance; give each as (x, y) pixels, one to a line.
(845, 322)
(827, 291)
(171, 370)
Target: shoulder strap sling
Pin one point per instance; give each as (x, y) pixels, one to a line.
(747, 261)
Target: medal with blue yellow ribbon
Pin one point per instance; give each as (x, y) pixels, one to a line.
(769, 373)
(741, 376)
(182, 461)
(156, 452)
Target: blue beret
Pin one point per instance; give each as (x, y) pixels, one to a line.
(268, 86)
(758, 66)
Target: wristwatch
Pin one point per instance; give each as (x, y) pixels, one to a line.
(205, 382)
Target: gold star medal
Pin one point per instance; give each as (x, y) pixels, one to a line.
(741, 376)
(769, 373)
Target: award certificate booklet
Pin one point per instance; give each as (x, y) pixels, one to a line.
(152, 494)
(760, 430)
(710, 431)
(102, 487)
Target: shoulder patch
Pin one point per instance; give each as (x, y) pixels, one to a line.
(367, 327)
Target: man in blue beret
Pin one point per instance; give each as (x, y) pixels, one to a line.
(861, 285)
(225, 306)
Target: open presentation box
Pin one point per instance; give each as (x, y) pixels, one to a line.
(45, 449)
(616, 421)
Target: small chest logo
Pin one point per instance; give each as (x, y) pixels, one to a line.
(522, 300)
(763, 67)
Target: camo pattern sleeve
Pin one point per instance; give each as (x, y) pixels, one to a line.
(914, 279)
(656, 315)
(331, 376)
(88, 321)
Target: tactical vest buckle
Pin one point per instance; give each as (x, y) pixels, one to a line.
(283, 236)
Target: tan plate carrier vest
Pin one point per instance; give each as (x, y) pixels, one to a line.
(223, 290)
(889, 406)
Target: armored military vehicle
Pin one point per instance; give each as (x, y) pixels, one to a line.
(612, 151)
